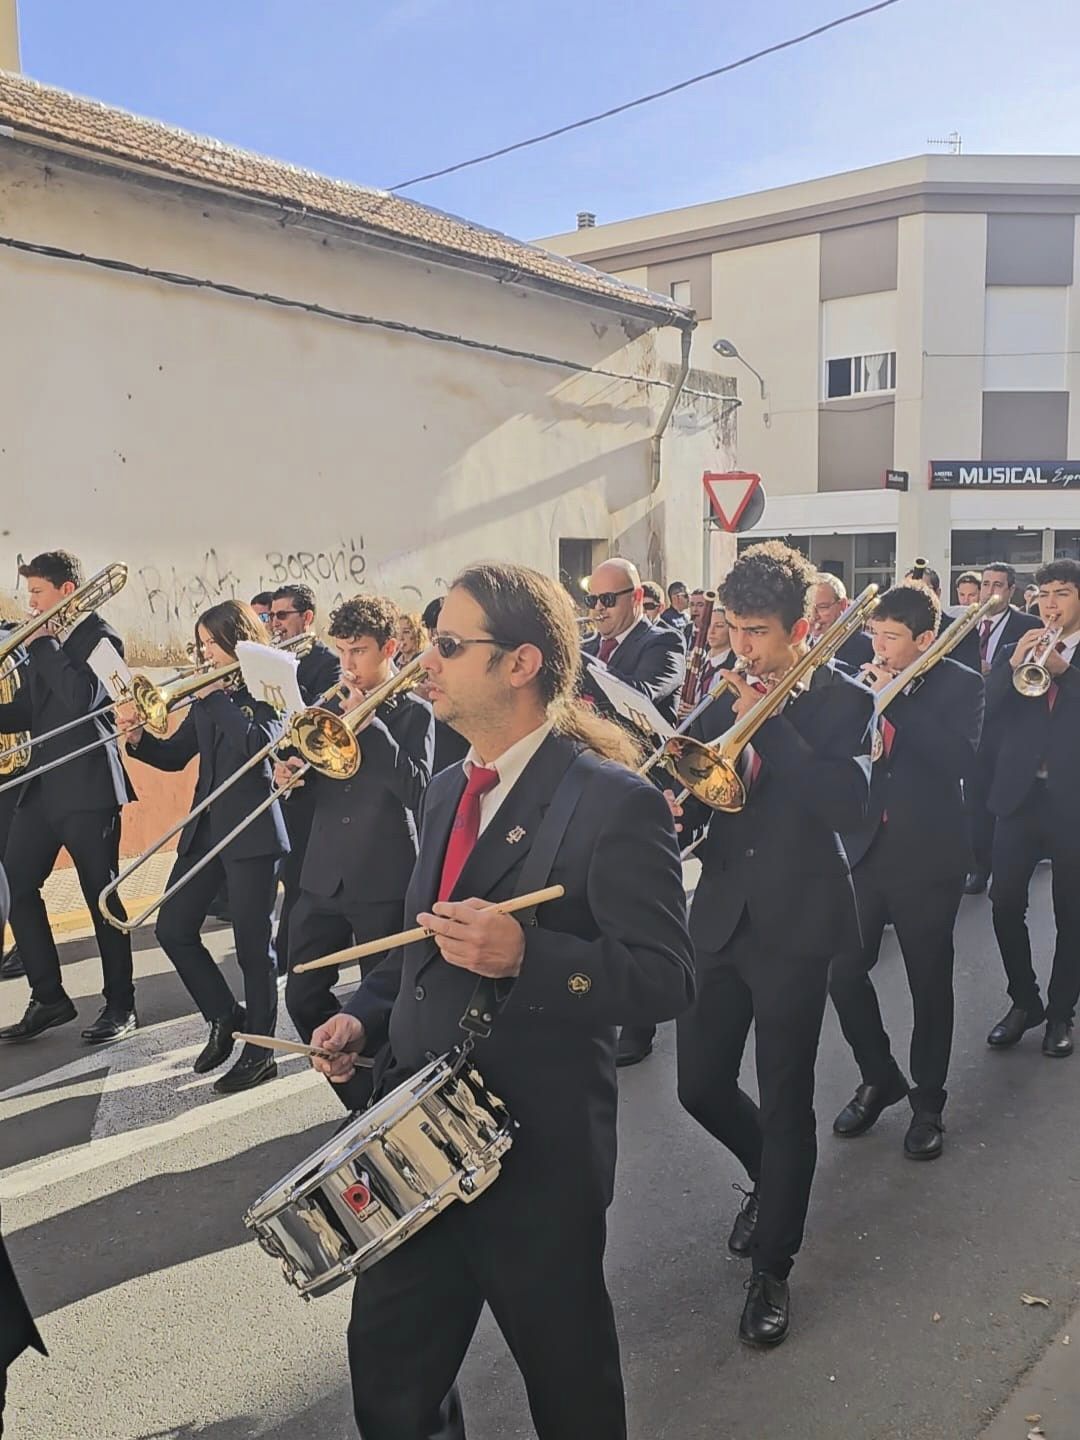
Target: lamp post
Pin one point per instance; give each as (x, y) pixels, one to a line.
(730, 352)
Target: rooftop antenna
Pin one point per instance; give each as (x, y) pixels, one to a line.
(954, 140)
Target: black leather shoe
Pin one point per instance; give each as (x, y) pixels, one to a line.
(975, 883)
(864, 1107)
(923, 1140)
(1057, 1042)
(220, 1044)
(766, 1314)
(38, 1018)
(635, 1044)
(249, 1071)
(742, 1232)
(111, 1025)
(1012, 1028)
(11, 967)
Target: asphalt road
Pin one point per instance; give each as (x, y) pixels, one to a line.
(125, 1180)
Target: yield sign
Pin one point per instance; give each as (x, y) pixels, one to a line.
(730, 492)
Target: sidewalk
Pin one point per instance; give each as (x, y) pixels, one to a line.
(64, 901)
(1049, 1391)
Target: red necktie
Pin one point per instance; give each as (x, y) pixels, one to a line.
(755, 763)
(1052, 693)
(607, 648)
(466, 827)
(986, 629)
(888, 735)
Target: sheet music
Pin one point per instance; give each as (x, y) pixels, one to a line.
(111, 669)
(270, 675)
(631, 704)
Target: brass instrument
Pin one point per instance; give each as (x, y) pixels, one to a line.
(661, 755)
(945, 643)
(16, 747)
(67, 613)
(1032, 679)
(710, 771)
(331, 749)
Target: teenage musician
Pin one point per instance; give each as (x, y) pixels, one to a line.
(224, 727)
(1035, 796)
(719, 655)
(504, 665)
(362, 846)
(292, 614)
(773, 907)
(909, 859)
(76, 806)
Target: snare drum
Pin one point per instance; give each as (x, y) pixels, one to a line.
(437, 1138)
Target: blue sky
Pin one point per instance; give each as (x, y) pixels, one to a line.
(379, 90)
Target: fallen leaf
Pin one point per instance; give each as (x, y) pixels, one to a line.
(937, 1316)
(1032, 1419)
(1065, 1341)
(1034, 1300)
(1037, 1434)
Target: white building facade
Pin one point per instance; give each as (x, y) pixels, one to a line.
(915, 325)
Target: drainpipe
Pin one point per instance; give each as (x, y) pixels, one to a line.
(676, 391)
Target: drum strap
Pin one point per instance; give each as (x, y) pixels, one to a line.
(489, 996)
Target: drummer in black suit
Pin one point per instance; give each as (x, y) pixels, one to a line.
(504, 665)
(773, 907)
(292, 614)
(76, 806)
(224, 727)
(829, 600)
(909, 859)
(362, 846)
(650, 658)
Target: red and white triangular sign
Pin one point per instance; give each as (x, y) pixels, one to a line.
(729, 493)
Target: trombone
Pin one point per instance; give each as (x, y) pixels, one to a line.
(710, 772)
(945, 643)
(327, 744)
(153, 704)
(661, 753)
(1032, 679)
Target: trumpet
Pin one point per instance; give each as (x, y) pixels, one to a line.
(1032, 679)
(331, 749)
(710, 772)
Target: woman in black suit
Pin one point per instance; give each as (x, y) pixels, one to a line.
(225, 726)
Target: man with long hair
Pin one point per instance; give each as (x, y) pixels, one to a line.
(540, 772)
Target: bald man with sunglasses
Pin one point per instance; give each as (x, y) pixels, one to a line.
(650, 658)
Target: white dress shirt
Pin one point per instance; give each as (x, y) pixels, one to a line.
(509, 766)
(996, 633)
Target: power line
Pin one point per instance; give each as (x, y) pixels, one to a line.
(647, 99)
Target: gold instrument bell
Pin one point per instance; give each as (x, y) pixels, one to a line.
(1032, 679)
(328, 742)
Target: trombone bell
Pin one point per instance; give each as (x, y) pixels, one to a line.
(708, 776)
(326, 743)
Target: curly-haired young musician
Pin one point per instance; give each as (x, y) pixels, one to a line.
(773, 906)
(909, 859)
(224, 727)
(503, 667)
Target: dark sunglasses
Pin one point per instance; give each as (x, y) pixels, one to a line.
(450, 646)
(650, 605)
(606, 598)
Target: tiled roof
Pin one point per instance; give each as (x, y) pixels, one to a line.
(42, 112)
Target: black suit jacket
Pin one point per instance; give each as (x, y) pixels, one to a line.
(652, 659)
(224, 730)
(450, 747)
(781, 857)
(57, 686)
(679, 621)
(317, 671)
(919, 784)
(613, 950)
(1029, 734)
(363, 834)
(856, 651)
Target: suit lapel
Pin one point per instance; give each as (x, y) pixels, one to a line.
(626, 656)
(434, 834)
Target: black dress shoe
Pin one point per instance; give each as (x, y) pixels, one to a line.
(111, 1025)
(219, 1046)
(1012, 1028)
(635, 1044)
(250, 1070)
(766, 1314)
(864, 1107)
(923, 1140)
(38, 1018)
(11, 967)
(1057, 1042)
(742, 1232)
(975, 883)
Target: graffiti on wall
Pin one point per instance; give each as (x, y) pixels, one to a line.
(342, 565)
(179, 595)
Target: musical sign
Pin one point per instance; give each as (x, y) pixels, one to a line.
(1004, 475)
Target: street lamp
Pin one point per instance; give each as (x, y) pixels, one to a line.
(730, 352)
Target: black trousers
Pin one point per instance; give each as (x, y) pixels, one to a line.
(541, 1272)
(1021, 840)
(320, 925)
(923, 910)
(783, 996)
(251, 893)
(92, 839)
(980, 818)
(299, 812)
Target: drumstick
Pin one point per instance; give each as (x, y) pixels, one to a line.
(293, 1047)
(408, 937)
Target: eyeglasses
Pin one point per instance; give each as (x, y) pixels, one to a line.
(606, 598)
(450, 646)
(650, 605)
(283, 614)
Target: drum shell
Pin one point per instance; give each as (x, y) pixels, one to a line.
(437, 1138)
